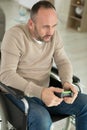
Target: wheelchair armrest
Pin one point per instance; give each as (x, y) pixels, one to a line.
(74, 78)
(14, 92)
(54, 70)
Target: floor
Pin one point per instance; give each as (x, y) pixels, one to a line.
(75, 43)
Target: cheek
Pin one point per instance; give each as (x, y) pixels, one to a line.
(45, 31)
(42, 32)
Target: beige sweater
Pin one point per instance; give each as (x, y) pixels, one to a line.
(26, 65)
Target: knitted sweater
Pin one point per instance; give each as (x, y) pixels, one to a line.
(26, 65)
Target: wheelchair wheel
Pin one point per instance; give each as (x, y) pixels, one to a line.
(10, 127)
(3, 115)
(69, 123)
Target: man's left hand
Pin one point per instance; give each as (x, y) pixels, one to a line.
(68, 86)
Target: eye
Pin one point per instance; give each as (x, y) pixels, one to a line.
(46, 26)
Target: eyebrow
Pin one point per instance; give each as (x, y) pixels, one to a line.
(55, 24)
(49, 25)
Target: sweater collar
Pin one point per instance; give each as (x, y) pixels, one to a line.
(37, 41)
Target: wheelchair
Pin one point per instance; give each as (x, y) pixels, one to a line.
(13, 118)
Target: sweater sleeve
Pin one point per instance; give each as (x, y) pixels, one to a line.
(62, 61)
(11, 53)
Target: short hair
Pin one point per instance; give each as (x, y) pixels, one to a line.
(38, 5)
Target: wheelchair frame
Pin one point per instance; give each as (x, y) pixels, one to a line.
(19, 95)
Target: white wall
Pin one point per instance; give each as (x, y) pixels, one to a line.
(27, 3)
(62, 7)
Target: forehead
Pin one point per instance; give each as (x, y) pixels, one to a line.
(46, 15)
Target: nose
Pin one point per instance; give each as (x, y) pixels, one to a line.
(50, 31)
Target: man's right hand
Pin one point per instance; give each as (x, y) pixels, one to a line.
(49, 98)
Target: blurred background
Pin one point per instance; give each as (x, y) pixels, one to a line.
(71, 17)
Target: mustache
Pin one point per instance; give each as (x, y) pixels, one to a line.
(48, 35)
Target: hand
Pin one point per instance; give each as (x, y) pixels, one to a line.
(49, 98)
(68, 86)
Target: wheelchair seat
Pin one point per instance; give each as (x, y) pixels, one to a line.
(17, 117)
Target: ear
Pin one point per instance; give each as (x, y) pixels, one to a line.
(30, 24)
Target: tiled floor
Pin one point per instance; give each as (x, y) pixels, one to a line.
(75, 43)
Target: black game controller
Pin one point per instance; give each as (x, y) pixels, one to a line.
(66, 93)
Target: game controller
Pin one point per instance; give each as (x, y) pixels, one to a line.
(64, 94)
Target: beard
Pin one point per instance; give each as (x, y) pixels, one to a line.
(45, 38)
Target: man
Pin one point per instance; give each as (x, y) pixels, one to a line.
(28, 52)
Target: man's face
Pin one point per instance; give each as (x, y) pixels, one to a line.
(44, 25)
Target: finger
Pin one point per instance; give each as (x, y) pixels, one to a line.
(70, 100)
(57, 102)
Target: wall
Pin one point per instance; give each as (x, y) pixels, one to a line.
(62, 7)
(52, 1)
